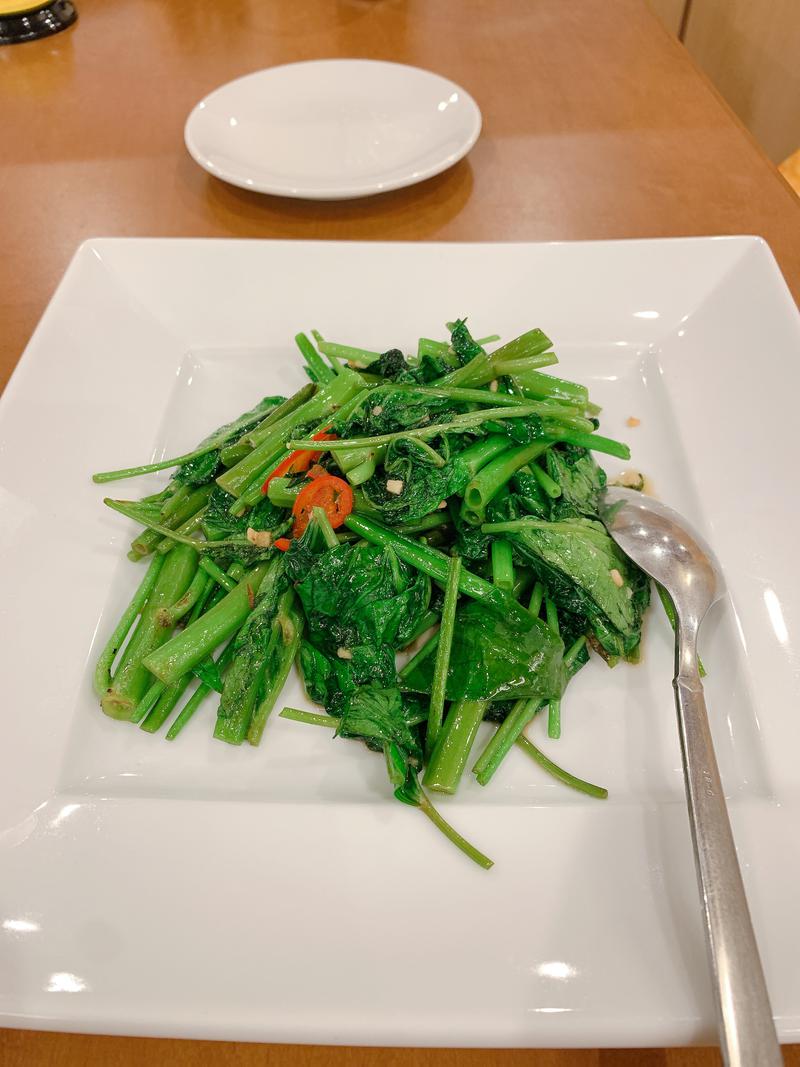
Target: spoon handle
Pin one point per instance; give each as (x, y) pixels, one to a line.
(744, 1016)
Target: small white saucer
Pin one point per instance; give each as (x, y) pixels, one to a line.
(332, 129)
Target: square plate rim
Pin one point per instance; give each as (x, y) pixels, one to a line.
(548, 1035)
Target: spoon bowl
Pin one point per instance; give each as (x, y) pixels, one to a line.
(660, 541)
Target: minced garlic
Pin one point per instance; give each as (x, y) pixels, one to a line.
(260, 538)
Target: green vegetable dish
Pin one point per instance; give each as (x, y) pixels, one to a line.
(418, 533)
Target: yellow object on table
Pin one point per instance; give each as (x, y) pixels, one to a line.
(18, 7)
(22, 21)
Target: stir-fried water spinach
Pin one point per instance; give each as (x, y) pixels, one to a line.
(419, 533)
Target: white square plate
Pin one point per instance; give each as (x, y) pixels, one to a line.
(280, 893)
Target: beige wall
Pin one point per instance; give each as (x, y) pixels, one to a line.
(750, 49)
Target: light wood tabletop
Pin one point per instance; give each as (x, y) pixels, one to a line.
(596, 125)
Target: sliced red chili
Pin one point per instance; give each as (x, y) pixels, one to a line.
(297, 462)
(328, 492)
(282, 543)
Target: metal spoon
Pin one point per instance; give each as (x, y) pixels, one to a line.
(660, 542)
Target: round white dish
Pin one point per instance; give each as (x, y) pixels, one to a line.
(332, 129)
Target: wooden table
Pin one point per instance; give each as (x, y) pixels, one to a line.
(596, 124)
